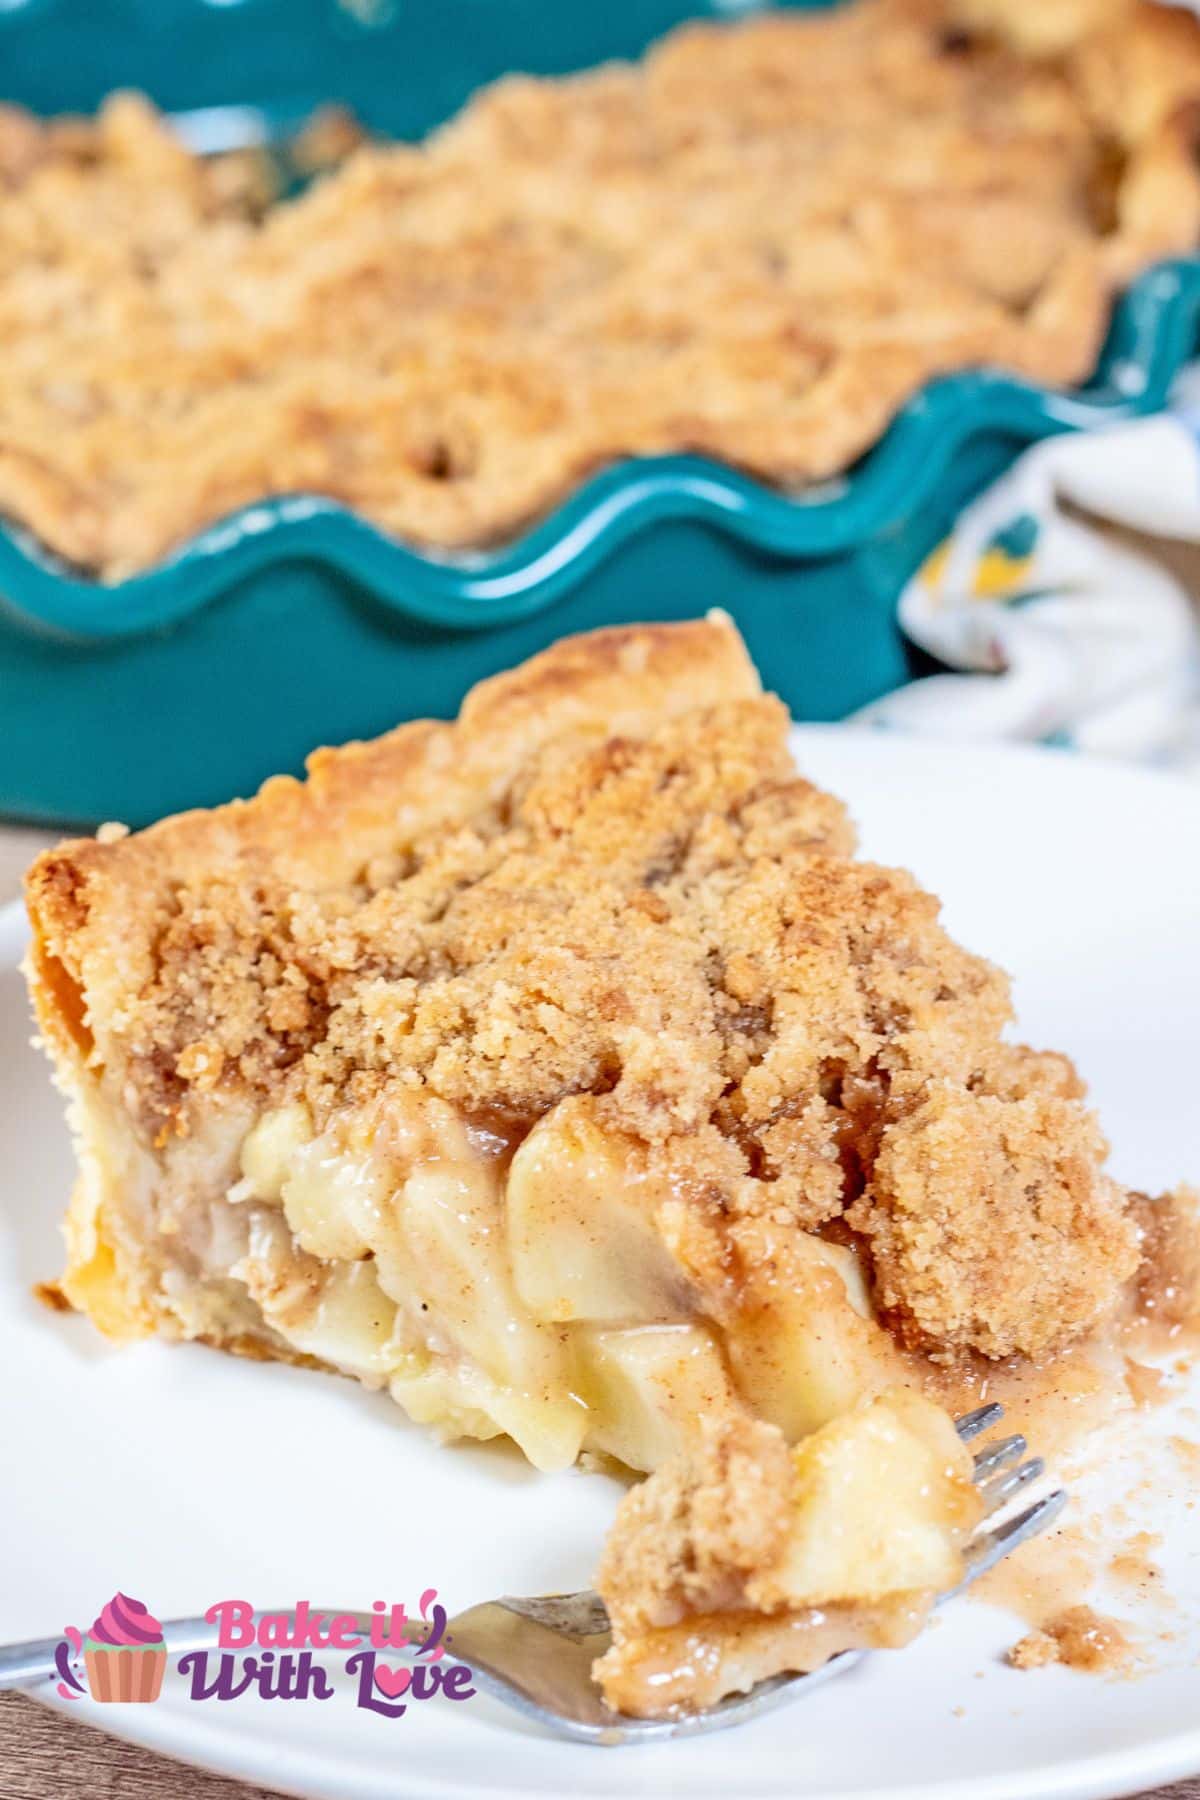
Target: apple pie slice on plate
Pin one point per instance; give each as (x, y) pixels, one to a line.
(562, 1071)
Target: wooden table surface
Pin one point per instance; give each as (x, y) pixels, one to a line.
(44, 1756)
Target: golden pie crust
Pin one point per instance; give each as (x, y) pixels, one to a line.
(756, 243)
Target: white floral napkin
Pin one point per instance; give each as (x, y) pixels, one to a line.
(1050, 598)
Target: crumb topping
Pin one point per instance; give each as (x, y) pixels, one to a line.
(979, 1200)
(689, 1539)
(755, 243)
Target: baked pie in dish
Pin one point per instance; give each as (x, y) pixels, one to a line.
(756, 244)
(562, 1071)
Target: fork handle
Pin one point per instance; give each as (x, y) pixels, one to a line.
(26, 1665)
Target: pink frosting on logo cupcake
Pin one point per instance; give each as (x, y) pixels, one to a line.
(127, 1624)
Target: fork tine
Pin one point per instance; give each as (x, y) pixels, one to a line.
(982, 1419)
(991, 1546)
(999, 1455)
(1002, 1487)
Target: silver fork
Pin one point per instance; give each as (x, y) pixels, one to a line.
(535, 1655)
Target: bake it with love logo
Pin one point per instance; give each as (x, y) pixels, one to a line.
(296, 1655)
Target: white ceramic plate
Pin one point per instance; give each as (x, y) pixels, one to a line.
(185, 1477)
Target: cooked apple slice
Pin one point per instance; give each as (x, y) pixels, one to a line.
(804, 1348)
(458, 1400)
(581, 1228)
(334, 1311)
(457, 1266)
(882, 1498)
(648, 1387)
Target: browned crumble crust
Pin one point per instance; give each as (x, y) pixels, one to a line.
(979, 1199)
(755, 243)
(607, 880)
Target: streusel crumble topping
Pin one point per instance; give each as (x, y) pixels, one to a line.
(695, 1538)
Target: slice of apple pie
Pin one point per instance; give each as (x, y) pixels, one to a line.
(741, 1557)
(562, 1071)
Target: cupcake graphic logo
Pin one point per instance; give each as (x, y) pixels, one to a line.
(123, 1653)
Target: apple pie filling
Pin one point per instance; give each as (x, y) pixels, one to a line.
(500, 1282)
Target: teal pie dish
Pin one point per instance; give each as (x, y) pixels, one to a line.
(295, 623)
